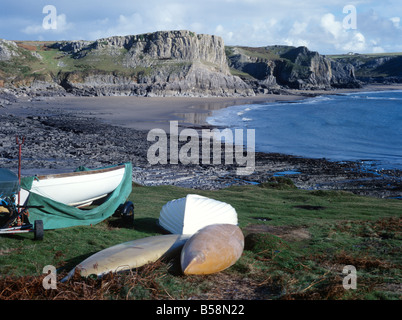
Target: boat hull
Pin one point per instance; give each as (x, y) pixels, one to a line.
(77, 188)
(130, 255)
(192, 213)
(212, 249)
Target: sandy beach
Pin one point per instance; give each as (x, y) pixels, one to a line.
(143, 113)
(146, 113)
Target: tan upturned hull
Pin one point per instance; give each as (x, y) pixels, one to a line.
(212, 249)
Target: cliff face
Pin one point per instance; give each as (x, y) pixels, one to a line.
(162, 63)
(376, 68)
(179, 63)
(146, 49)
(297, 68)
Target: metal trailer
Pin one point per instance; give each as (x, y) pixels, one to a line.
(14, 218)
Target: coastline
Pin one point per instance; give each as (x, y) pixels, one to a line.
(146, 113)
(143, 113)
(64, 133)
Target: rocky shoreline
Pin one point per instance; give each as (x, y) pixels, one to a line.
(57, 140)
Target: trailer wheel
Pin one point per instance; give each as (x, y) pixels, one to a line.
(128, 212)
(38, 230)
(128, 209)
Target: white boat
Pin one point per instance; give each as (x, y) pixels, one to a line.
(194, 212)
(76, 189)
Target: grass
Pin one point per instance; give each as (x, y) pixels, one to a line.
(53, 63)
(297, 243)
(366, 55)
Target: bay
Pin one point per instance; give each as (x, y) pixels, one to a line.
(359, 126)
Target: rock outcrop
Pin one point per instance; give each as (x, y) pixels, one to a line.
(297, 68)
(8, 49)
(171, 63)
(179, 63)
(377, 68)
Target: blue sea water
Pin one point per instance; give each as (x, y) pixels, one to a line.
(363, 126)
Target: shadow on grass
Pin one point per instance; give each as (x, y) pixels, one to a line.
(148, 225)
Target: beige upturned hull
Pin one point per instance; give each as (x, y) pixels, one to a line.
(129, 255)
(212, 249)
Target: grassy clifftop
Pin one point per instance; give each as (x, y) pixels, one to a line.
(41, 60)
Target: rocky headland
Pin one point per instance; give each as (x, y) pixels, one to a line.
(165, 63)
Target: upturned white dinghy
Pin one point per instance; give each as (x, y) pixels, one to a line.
(194, 212)
(76, 189)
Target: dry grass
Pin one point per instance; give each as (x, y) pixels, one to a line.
(27, 46)
(328, 287)
(78, 288)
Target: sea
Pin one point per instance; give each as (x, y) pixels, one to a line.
(358, 126)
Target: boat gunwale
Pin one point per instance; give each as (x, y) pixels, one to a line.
(78, 173)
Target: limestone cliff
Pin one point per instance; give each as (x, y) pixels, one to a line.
(178, 63)
(297, 68)
(374, 68)
(161, 63)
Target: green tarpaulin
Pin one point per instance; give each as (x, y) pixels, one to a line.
(58, 215)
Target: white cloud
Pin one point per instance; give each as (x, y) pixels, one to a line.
(297, 42)
(332, 26)
(61, 27)
(145, 19)
(317, 25)
(340, 38)
(298, 28)
(356, 44)
(395, 21)
(378, 50)
(197, 27)
(222, 32)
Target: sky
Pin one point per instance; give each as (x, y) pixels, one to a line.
(329, 27)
